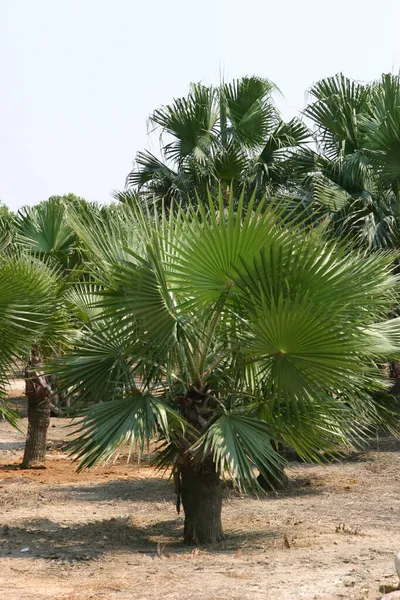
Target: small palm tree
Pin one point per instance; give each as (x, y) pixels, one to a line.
(27, 306)
(221, 332)
(224, 136)
(41, 238)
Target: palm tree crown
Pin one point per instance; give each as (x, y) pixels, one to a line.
(220, 330)
(354, 177)
(231, 134)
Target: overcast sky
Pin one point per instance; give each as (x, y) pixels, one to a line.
(80, 77)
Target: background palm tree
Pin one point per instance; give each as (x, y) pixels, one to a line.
(353, 176)
(41, 238)
(27, 306)
(221, 332)
(224, 136)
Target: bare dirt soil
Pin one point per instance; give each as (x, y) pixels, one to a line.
(113, 533)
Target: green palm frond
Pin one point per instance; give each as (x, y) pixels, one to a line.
(383, 129)
(131, 422)
(369, 217)
(191, 121)
(100, 365)
(285, 136)
(83, 300)
(150, 166)
(154, 177)
(249, 110)
(104, 237)
(229, 163)
(330, 196)
(214, 245)
(324, 426)
(237, 443)
(338, 110)
(302, 353)
(45, 231)
(357, 132)
(5, 239)
(27, 302)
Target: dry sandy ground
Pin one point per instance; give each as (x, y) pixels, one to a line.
(101, 534)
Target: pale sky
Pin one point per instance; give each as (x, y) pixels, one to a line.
(80, 77)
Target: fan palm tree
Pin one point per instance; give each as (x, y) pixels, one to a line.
(27, 310)
(41, 237)
(354, 176)
(221, 332)
(223, 136)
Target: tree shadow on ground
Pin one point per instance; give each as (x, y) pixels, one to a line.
(156, 490)
(85, 541)
(149, 489)
(384, 444)
(294, 487)
(46, 539)
(12, 445)
(379, 444)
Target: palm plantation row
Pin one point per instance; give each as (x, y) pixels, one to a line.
(234, 302)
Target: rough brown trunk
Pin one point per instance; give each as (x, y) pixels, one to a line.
(201, 493)
(36, 438)
(38, 391)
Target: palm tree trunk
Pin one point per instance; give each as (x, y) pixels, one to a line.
(38, 392)
(36, 438)
(201, 493)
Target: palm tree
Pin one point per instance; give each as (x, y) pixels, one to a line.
(224, 136)
(27, 306)
(221, 332)
(41, 237)
(354, 176)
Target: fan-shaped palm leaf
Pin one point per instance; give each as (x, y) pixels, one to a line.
(249, 110)
(338, 111)
(191, 121)
(44, 230)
